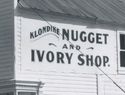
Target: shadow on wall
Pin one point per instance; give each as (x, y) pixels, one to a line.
(66, 18)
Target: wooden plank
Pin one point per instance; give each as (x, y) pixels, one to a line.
(6, 39)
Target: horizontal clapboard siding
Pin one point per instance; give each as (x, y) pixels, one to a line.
(107, 87)
(60, 83)
(6, 39)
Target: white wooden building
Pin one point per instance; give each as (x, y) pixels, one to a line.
(62, 47)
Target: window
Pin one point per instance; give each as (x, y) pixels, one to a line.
(9, 93)
(26, 93)
(122, 50)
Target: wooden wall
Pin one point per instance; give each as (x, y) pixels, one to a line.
(107, 87)
(6, 39)
(62, 83)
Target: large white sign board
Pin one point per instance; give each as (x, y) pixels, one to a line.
(67, 47)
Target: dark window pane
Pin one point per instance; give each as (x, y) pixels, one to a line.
(26, 93)
(9, 93)
(122, 41)
(122, 58)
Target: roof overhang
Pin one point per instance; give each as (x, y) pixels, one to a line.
(112, 11)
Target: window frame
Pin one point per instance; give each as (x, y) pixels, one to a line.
(121, 70)
(12, 93)
(21, 91)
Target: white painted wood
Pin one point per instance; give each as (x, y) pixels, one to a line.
(107, 87)
(61, 83)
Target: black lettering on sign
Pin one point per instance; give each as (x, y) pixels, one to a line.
(64, 46)
(89, 60)
(105, 38)
(66, 58)
(71, 47)
(83, 38)
(65, 35)
(31, 35)
(74, 35)
(98, 61)
(40, 56)
(37, 53)
(40, 31)
(50, 56)
(105, 60)
(60, 57)
(69, 57)
(32, 55)
(91, 38)
(80, 58)
(98, 38)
